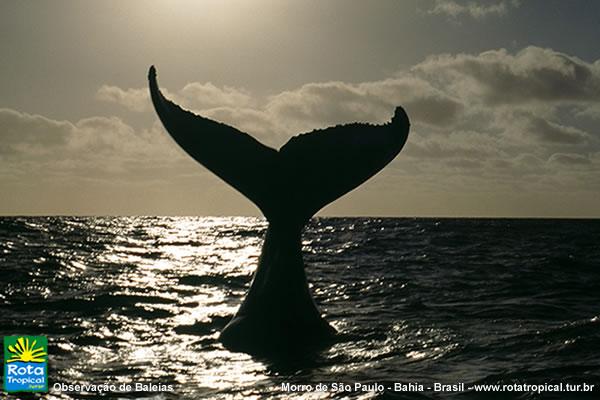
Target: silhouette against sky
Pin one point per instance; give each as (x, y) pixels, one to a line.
(289, 185)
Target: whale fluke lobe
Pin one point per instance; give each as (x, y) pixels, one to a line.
(325, 164)
(234, 156)
(278, 315)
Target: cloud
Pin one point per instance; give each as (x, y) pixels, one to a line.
(451, 92)
(589, 111)
(195, 96)
(206, 95)
(321, 104)
(532, 75)
(494, 121)
(134, 99)
(548, 131)
(474, 9)
(569, 159)
(96, 146)
(459, 145)
(25, 132)
(257, 123)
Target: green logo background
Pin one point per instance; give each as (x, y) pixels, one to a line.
(41, 342)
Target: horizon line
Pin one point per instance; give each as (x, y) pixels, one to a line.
(314, 217)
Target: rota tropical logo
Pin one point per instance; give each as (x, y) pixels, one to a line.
(25, 364)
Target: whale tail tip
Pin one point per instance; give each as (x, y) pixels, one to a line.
(400, 117)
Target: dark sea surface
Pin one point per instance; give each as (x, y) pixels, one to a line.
(142, 299)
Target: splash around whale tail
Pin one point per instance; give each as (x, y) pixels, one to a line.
(308, 172)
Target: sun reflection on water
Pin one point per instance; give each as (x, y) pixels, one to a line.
(184, 336)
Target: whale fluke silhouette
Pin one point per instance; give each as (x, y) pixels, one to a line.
(278, 315)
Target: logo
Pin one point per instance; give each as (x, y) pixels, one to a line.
(25, 364)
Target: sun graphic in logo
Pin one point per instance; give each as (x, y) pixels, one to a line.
(25, 351)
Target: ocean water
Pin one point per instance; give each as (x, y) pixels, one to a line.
(474, 301)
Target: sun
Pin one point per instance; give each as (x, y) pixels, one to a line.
(26, 352)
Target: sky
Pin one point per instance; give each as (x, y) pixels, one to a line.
(503, 97)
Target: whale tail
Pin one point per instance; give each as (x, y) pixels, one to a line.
(308, 172)
(289, 185)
